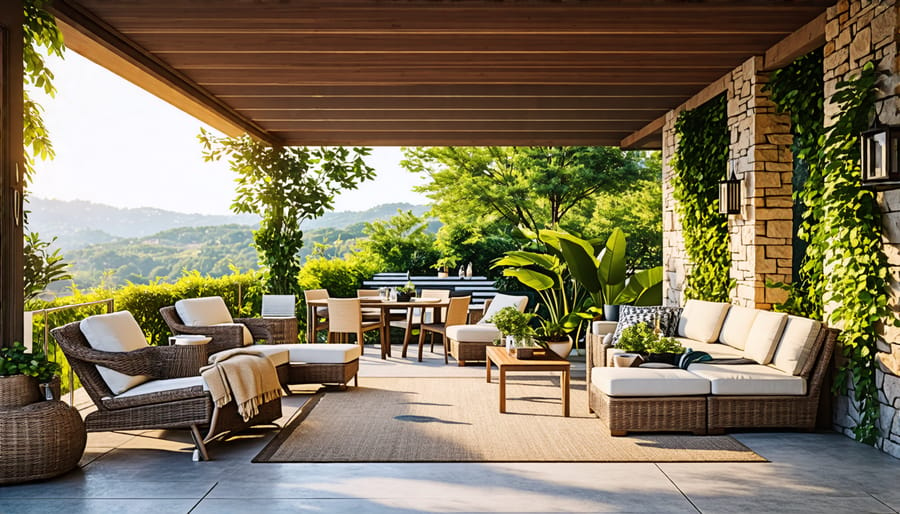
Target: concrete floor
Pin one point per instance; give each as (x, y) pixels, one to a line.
(153, 472)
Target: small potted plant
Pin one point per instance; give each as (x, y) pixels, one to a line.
(554, 336)
(406, 293)
(22, 374)
(515, 326)
(643, 340)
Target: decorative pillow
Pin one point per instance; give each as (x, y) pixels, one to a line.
(737, 326)
(701, 321)
(764, 335)
(115, 332)
(631, 315)
(203, 312)
(500, 301)
(796, 344)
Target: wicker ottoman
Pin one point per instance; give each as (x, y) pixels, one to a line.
(40, 440)
(649, 400)
(315, 363)
(467, 342)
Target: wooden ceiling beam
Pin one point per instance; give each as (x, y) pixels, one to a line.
(389, 125)
(256, 106)
(414, 138)
(414, 115)
(806, 39)
(227, 91)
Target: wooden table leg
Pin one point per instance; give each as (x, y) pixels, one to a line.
(487, 373)
(565, 392)
(502, 390)
(310, 323)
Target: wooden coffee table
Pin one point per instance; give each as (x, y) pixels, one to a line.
(506, 362)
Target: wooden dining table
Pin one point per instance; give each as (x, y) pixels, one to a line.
(386, 306)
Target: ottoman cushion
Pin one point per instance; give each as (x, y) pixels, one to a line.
(322, 353)
(648, 382)
(277, 355)
(473, 333)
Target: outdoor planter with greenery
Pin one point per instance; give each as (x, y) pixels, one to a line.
(21, 372)
(644, 340)
(512, 323)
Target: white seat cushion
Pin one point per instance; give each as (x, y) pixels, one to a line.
(275, 353)
(168, 384)
(764, 335)
(115, 332)
(702, 321)
(748, 380)
(737, 326)
(648, 382)
(480, 333)
(320, 353)
(796, 344)
(715, 350)
(500, 301)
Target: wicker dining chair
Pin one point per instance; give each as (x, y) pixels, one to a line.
(369, 313)
(321, 313)
(415, 317)
(170, 403)
(344, 318)
(457, 314)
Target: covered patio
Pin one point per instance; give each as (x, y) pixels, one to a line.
(479, 73)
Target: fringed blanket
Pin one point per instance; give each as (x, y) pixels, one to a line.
(244, 375)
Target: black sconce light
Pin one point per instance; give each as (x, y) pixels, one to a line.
(880, 153)
(730, 194)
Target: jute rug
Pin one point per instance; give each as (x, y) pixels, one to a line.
(458, 420)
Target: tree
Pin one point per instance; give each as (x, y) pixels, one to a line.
(532, 187)
(401, 243)
(285, 186)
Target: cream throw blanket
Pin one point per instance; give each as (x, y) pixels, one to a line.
(247, 376)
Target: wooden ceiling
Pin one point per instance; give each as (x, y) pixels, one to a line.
(428, 72)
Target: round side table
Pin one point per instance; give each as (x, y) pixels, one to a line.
(190, 355)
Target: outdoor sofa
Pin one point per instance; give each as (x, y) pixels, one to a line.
(296, 363)
(781, 388)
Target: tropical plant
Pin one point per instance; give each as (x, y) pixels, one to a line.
(42, 266)
(641, 338)
(664, 345)
(285, 186)
(16, 360)
(509, 321)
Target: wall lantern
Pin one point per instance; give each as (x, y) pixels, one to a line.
(880, 153)
(730, 194)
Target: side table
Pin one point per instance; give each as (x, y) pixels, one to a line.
(506, 362)
(190, 355)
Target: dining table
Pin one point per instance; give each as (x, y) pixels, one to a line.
(385, 305)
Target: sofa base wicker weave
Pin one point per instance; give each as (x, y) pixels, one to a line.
(640, 414)
(465, 351)
(41, 440)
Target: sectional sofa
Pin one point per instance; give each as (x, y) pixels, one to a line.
(781, 388)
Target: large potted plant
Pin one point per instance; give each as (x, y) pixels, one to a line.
(21, 375)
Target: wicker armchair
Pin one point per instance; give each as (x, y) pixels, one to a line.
(188, 407)
(224, 337)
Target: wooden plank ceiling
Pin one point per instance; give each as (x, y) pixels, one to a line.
(429, 72)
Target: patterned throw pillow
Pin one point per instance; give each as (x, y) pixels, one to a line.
(631, 315)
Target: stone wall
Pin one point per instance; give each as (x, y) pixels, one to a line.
(856, 32)
(675, 263)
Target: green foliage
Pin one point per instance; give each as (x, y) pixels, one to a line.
(479, 244)
(341, 277)
(664, 345)
(509, 321)
(16, 360)
(42, 266)
(798, 89)
(532, 187)
(700, 162)
(637, 213)
(641, 338)
(285, 186)
(400, 244)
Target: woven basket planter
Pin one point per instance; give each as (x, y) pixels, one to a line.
(18, 391)
(40, 441)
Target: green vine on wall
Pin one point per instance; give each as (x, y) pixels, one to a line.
(700, 163)
(798, 89)
(845, 265)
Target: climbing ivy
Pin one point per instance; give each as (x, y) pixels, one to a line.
(700, 163)
(798, 90)
(845, 266)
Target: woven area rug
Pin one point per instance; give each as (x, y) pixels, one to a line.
(458, 420)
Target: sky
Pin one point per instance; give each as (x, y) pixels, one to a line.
(118, 145)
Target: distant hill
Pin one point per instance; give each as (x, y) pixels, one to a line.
(78, 224)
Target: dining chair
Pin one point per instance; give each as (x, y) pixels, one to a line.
(320, 321)
(415, 317)
(457, 314)
(369, 313)
(345, 317)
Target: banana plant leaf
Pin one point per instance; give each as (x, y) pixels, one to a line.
(611, 269)
(523, 258)
(531, 278)
(582, 265)
(643, 288)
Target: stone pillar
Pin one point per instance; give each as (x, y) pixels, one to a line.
(761, 235)
(856, 32)
(675, 263)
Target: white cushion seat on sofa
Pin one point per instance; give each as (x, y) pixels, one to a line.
(748, 380)
(479, 333)
(621, 382)
(715, 350)
(275, 353)
(167, 384)
(702, 320)
(115, 332)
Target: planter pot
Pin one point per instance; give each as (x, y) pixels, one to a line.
(404, 297)
(443, 274)
(18, 391)
(610, 312)
(561, 348)
(666, 358)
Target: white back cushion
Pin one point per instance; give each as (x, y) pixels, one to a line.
(278, 306)
(702, 321)
(737, 326)
(115, 332)
(764, 335)
(203, 312)
(795, 345)
(500, 301)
